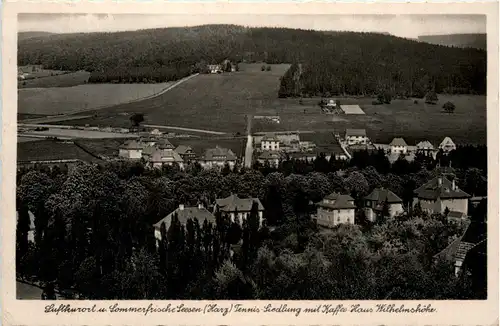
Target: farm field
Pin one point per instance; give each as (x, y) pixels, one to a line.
(220, 103)
(63, 80)
(214, 102)
(51, 150)
(63, 100)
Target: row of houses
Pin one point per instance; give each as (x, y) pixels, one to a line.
(437, 196)
(158, 152)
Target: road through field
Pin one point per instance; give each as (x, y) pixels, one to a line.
(186, 129)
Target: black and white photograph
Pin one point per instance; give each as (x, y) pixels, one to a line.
(252, 157)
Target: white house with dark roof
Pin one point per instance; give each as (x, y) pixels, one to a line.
(447, 145)
(335, 209)
(183, 214)
(165, 157)
(440, 193)
(398, 146)
(270, 143)
(131, 149)
(375, 201)
(272, 157)
(186, 152)
(239, 208)
(356, 136)
(217, 157)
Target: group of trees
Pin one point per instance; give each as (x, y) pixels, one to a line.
(335, 62)
(143, 75)
(93, 233)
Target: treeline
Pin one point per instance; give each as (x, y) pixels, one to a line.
(93, 233)
(146, 75)
(334, 62)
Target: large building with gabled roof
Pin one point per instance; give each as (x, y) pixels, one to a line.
(375, 201)
(238, 209)
(439, 194)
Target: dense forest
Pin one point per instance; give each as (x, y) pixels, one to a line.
(93, 233)
(331, 62)
(477, 41)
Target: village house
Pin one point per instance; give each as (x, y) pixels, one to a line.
(148, 141)
(165, 157)
(335, 209)
(440, 194)
(398, 146)
(375, 201)
(214, 69)
(217, 157)
(425, 147)
(272, 157)
(447, 145)
(238, 209)
(270, 143)
(131, 149)
(356, 136)
(186, 152)
(464, 248)
(183, 214)
(156, 133)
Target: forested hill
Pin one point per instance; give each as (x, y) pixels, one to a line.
(477, 41)
(346, 62)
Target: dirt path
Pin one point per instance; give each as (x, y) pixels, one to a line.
(212, 132)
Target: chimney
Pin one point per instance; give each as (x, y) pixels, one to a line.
(440, 181)
(181, 207)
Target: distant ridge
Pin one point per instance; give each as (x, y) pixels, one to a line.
(477, 41)
(27, 35)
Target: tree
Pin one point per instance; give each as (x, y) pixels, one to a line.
(449, 107)
(137, 119)
(431, 97)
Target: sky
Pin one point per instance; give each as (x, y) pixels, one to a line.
(410, 26)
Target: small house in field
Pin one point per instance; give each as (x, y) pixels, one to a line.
(355, 136)
(439, 194)
(169, 157)
(270, 143)
(131, 149)
(238, 209)
(156, 133)
(186, 152)
(214, 69)
(398, 146)
(183, 214)
(352, 109)
(447, 145)
(217, 157)
(375, 201)
(335, 209)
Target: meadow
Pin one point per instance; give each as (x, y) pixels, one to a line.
(221, 102)
(61, 80)
(64, 100)
(51, 150)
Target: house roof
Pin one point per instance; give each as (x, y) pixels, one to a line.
(149, 150)
(165, 144)
(447, 142)
(233, 203)
(185, 214)
(219, 154)
(425, 145)
(340, 202)
(165, 156)
(432, 190)
(131, 145)
(183, 149)
(398, 142)
(269, 155)
(456, 215)
(355, 132)
(381, 195)
(352, 109)
(270, 138)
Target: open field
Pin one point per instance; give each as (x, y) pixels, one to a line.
(64, 80)
(220, 103)
(63, 100)
(51, 150)
(213, 102)
(41, 73)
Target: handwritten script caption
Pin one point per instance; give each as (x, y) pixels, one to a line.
(236, 308)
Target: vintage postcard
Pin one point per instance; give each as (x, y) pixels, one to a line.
(249, 163)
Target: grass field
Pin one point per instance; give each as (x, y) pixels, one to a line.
(42, 73)
(220, 103)
(64, 80)
(62, 100)
(51, 150)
